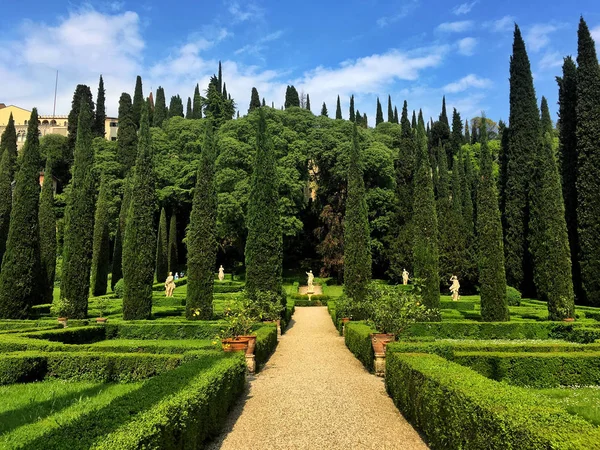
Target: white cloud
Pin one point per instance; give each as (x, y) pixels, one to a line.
(405, 9)
(467, 46)
(258, 47)
(551, 60)
(455, 27)
(538, 35)
(244, 12)
(467, 82)
(464, 8)
(596, 35)
(502, 25)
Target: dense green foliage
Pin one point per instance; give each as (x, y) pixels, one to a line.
(126, 134)
(197, 104)
(324, 112)
(291, 97)
(8, 160)
(162, 248)
(338, 109)
(189, 112)
(173, 252)
(160, 109)
(175, 107)
(254, 100)
(357, 336)
(82, 94)
(379, 113)
(47, 223)
(101, 252)
(117, 264)
(138, 102)
(99, 127)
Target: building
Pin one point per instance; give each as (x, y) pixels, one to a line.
(48, 124)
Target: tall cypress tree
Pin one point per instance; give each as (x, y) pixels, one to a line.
(264, 245)
(201, 235)
(456, 138)
(413, 123)
(100, 118)
(197, 103)
(324, 110)
(365, 121)
(101, 252)
(379, 116)
(254, 100)
(308, 102)
(176, 106)
(390, 110)
(224, 91)
(138, 102)
(548, 239)
(444, 214)
(425, 244)
(47, 223)
(140, 237)
(567, 113)
(492, 278)
(20, 283)
(338, 109)
(395, 115)
(8, 160)
(162, 249)
(357, 242)
(189, 112)
(150, 102)
(358, 118)
(523, 141)
(82, 92)
(352, 116)
(467, 139)
(117, 266)
(126, 134)
(173, 254)
(291, 97)
(160, 110)
(79, 225)
(220, 79)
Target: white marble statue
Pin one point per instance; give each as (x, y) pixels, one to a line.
(404, 277)
(221, 273)
(454, 288)
(169, 285)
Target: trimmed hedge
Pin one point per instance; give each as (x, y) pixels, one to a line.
(180, 330)
(75, 335)
(227, 289)
(358, 341)
(455, 407)
(539, 370)
(21, 368)
(461, 306)
(313, 302)
(266, 342)
(161, 286)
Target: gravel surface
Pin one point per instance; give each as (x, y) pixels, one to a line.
(314, 394)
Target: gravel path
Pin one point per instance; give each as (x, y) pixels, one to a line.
(314, 394)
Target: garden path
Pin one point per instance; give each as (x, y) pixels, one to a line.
(314, 394)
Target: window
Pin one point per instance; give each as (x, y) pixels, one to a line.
(65, 124)
(53, 122)
(25, 123)
(114, 124)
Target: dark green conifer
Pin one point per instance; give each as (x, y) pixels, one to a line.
(220, 79)
(173, 254)
(358, 118)
(150, 102)
(444, 214)
(390, 117)
(176, 106)
(254, 100)
(308, 102)
(101, 252)
(162, 249)
(291, 97)
(365, 121)
(47, 223)
(160, 110)
(338, 109)
(467, 139)
(324, 110)
(8, 161)
(263, 102)
(225, 91)
(117, 266)
(456, 138)
(138, 102)
(352, 116)
(100, 117)
(126, 134)
(197, 103)
(413, 123)
(189, 112)
(395, 115)
(201, 236)
(379, 115)
(140, 238)
(82, 92)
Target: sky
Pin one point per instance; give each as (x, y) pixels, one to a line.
(414, 50)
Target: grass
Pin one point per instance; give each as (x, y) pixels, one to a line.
(584, 402)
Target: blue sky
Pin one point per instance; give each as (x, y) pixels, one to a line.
(412, 49)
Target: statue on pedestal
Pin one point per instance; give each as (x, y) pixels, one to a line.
(221, 273)
(454, 288)
(169, 285)
(311, 279)
(404, 277)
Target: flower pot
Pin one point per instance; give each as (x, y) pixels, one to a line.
(379, 341)
(236, 344)
(63, 321)
(101, 320)
(569, 319)
(251, 343)
(345, 320)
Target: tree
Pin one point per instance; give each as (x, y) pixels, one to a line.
(150, 102)
(567, 131)
(127, 133)
(219, 85)
(324, 112)
(47, 224)
(160, 110)
(201, 236)
(308, 102)
(117, 266)
(176, 106)
(456, 138)
(197, 104)
(395, 115)
(138, 102)
(140, 237)
(492, 277)
(79, 226)
(100, 117)
(291, 97)
(445, 216)
(379, 116)
(224, 91)
(548, 239)
(82, 92)
(173, 255)
(523, 141)
(162, 249)
(352, 116)
(338, 109)
(20, 283)
(357, 245)
(467, 139)
(8, 160)
(265, 242)
(254, 101)
(425, 245)
(101, 251)
(189, 112)
(216, 107)
(390, 110)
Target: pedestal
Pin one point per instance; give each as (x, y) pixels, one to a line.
(380, 364)
(250, 363)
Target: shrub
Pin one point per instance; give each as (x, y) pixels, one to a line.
(266, 341)
(355, 309)
(513, 296)
(75, 335)
(584, 335)
(119, 288)
(145, 330)
(21, 368)
(358, 341)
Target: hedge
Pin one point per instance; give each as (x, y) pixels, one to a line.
(71, 335)
(227, 289)
(266, 341)
(455, 407)
(21, 368)
(179, 409)
(539, 370)
(461, 306)
(161, 286)
(180, 330)
(358, 341)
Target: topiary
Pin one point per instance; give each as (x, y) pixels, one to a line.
(119, 288)
(513, 296)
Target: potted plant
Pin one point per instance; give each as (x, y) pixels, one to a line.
(235, 336)
(58, 307)
(103, 307)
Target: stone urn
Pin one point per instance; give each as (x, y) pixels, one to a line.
(101, 320)
(379, 342)
(63, 321)
(236, 344)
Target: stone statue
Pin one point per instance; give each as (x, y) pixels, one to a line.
(454, 288)
(404, 277)
(169, 285)
(311, 279)
(221, 273)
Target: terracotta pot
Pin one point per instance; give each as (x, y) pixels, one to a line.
(346, 320)
(379, 341)
(63, 321)
(101, 319)
(569, 319)
(251, 343)
(235, 344)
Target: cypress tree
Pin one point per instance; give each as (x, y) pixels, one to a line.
(365, 121)
(138, 102)
(82, 92)
(324, 110)
(358, 118)
(150, 102)
(465, 172)
(467, 139)
(338, 109)
(492, 278)
(460, 260)
(567, 113)
(162, 249)
(117, 266)
(160, 110)
(352, 116)
(224, 91)
(189, 112)
(413, 123)
(101, 252)
(523, 141)
(456, 138)
(444, 115)
(201, 236)
(176, 106)
(444, 214)
(47, 223)
(395, 115)
(220, 79)
(172, 250)
(503, 162)
(390, 110)
(474, 135)
(308, 102)
(140, 237)
(254, 101)
(548, 239)
(197, 104)
(264, 245)
(379, 116)
(8, 160)
(126, 134)
(79, 226)
(425, 245)
(263, 102)
(291, 97)
(20, 283)
(100, 118)
(357, 243)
